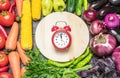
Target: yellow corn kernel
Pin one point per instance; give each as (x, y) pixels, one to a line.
(26, 26)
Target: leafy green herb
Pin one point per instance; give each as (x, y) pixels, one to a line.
(38, 67)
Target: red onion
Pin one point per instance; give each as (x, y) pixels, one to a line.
(89, 15)
(96, 27)
(112, 20)
(116, 58)
(103, 44)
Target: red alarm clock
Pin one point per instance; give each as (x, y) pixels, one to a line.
(61, 38)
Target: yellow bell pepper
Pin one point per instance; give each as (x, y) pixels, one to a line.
(59, 5)
(47, 7)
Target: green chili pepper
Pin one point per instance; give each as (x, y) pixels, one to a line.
(78, 7)
(84, 61)
(70, 5)
(86, 67)
(47, 7)
(81, 57)
(85, 4)
(59, 5)
(60, 64)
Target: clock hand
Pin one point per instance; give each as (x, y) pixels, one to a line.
(61, 36)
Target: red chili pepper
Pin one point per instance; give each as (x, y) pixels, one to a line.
(4, 69)
(12, 8)
(3, 31)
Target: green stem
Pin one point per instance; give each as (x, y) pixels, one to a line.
(2, 1)
(4, 13)
(1, 56)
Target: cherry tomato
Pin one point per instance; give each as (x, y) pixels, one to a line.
(3, 59)
(2, 41)
(6, 18)
(6, 75)
(4, 5)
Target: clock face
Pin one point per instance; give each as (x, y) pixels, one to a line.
(61, 40)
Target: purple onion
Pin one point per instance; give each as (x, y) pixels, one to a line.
(90, 15)
(116, 58)
(103, 44)
(111, 21)
(97, 27)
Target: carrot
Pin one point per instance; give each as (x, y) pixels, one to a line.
(23, 56)
(23, 70)
(11, 41)
(19, 7)
(14, 60)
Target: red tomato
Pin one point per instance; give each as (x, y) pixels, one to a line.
(6, 75)
(4, 5)
(6, 18)
(2, 41)
(3, 59)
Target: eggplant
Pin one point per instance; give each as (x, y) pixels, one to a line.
(92, 1)
(106, 10)
(98, 5)
(115, 2)
(116, 34)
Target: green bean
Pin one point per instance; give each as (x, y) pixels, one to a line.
(81, 57)
(60, 64)
(84, 61)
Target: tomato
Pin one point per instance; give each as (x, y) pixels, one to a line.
(4, 5)
(6, 18)
(6, 75)
(3, 59)
(2, 41)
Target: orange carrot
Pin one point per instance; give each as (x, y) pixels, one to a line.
(23, 70)
(11, 41)
(14, 60)
(19, 7)
(23, 56)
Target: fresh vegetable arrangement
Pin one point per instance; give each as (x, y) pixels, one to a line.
(19, 58)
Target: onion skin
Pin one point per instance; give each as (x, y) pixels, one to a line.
(103, 49)
(117, 49)
(96, 27)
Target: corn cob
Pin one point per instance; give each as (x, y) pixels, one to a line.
(36, 9)
(26, 26)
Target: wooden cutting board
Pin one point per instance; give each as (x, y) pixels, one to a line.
(79, 33)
